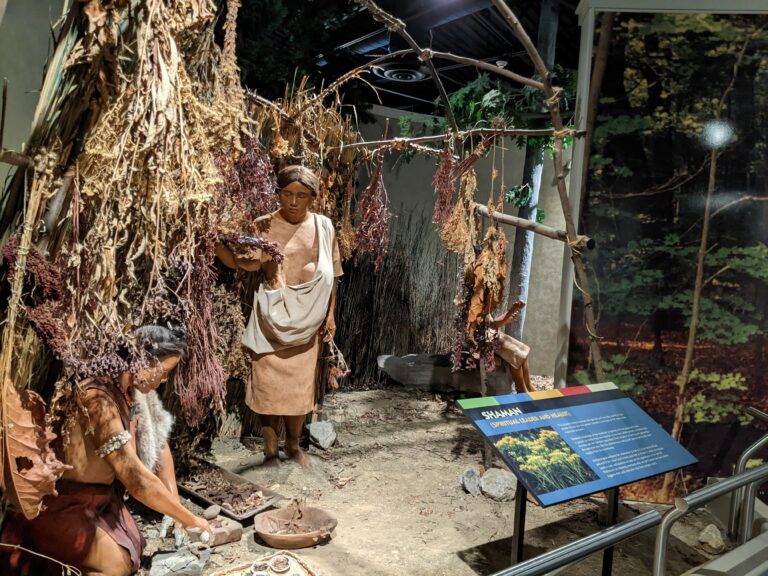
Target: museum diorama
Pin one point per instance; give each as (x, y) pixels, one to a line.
(356, 287)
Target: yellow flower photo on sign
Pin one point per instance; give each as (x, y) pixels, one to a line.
(546, 459)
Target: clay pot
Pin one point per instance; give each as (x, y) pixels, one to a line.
(315, 525)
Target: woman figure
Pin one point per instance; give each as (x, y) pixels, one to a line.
(292, 311)
(88, 525)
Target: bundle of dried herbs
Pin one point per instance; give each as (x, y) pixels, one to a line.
(444, 184)
(373, 216)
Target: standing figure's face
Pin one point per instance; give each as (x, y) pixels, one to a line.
(295, 201)
(156, 373)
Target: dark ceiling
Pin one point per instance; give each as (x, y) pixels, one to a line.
(472, 28)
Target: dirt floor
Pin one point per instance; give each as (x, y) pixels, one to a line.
(393, 481)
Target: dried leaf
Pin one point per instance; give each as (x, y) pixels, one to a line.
(30, 467)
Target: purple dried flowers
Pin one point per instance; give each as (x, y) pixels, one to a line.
(373, 215)
(444, 183)
(270, 247)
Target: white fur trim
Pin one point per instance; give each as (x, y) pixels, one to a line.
(153, 427)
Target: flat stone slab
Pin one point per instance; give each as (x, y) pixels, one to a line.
(182, 562)
(225, 530)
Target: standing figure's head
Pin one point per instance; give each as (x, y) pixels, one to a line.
(164, 348)
(297, 188)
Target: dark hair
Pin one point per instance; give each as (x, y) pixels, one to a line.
(301, 174)
(159, 341)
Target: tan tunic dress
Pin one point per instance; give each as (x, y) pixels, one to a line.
(283, 382)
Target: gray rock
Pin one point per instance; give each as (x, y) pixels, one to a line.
(711, 539)
(471, 481)
(183, 562)
(211, 512)
(499, 485)
(322, 434)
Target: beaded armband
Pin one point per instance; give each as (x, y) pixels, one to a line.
(114, 443)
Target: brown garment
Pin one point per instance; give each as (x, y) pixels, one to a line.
(283, 382)
(66, 528)
(512, 350)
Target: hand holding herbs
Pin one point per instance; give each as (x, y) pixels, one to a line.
(251, 247)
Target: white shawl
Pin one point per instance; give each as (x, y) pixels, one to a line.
(292, 315)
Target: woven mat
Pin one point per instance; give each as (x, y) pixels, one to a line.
(298, 567)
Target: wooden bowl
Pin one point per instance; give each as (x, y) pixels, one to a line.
(315, 524)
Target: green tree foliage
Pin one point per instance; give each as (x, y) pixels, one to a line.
(616, 372)
(648, 174)
(488, 102)
(720, 398)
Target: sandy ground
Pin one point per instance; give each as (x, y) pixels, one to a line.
(393, 481)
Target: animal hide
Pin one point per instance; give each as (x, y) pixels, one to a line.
(28, 467)
(153, 426)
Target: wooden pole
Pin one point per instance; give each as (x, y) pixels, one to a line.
(552, 100)
(561, 235)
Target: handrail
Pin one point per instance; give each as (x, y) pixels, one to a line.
(737, 505)
(759, 414)
(737, 498)
(747, 513)
(575, 551)
(694, 500)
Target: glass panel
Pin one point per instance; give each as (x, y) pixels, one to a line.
(678, 202)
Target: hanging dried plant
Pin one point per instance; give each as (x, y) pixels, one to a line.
(247, 190)
(373, 217)
(201, 378)
(337, 366)
(444, 184)
(455, 233)
(488, 274)
(346, 233)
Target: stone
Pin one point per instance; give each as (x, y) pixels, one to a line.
(322, 434)
(498, 485)
(471, 481)
(711, 539)
(182, 562)
(226, 530)
(211, 512)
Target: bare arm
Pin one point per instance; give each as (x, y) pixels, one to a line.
(166, 470)
(142, 484)
(229, 259)
(508, 318)
(330, 320)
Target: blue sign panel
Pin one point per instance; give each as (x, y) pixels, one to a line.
(572, 442)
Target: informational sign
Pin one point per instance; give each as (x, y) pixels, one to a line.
(571, 442)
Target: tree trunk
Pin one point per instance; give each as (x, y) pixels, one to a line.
(685, 374)
(522, 255)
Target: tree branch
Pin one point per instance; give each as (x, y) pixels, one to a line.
(462, 135)
(398, 26)
(737, 201)
(15, 159)
(552, 100)
(716, 274)
(581, 241)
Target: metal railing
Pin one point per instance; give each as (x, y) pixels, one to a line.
(580, 549)
(696, 499)
(738, 505)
